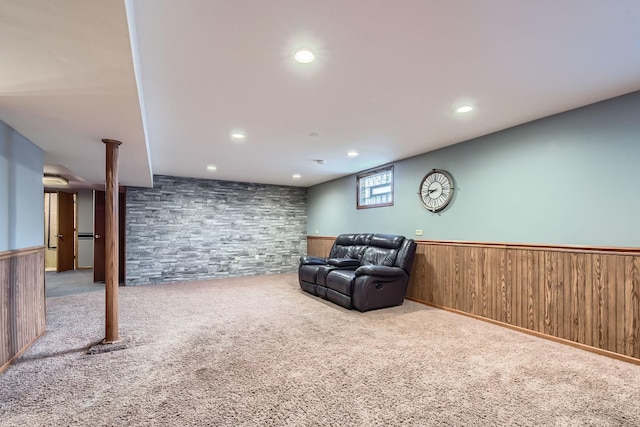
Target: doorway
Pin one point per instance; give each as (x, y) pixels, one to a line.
(74, 233)
(99, 230)
(60, 231)
(68, 228)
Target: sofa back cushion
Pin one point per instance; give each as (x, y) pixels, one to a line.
(350, 246)
(382, 250)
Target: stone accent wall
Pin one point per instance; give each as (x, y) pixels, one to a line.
(192, 229)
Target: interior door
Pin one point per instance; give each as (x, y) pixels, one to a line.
(98, 236)
(66, 232)
(99, 227)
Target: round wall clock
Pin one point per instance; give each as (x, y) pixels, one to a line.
(436, 190)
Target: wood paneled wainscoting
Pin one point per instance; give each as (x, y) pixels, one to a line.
(22, 301)
(586, 297)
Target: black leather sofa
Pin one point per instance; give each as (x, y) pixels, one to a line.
(362, 271)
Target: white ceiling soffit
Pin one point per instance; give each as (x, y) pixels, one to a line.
(386, 80)
(67, 81)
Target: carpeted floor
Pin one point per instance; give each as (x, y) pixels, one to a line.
(259, 351)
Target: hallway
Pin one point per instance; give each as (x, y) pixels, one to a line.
(70, 282)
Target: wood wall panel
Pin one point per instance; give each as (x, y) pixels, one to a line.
(319, 246)
(22, 301)
(632, 281)
(589, 296)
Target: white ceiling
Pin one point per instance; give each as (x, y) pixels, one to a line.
(386, 81)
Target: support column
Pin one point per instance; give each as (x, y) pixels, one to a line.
(111, 243)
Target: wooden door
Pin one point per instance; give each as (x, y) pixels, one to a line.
(66, 232)
(98, 236)
(99, 227)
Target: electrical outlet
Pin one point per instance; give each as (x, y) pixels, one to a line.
(418, 232)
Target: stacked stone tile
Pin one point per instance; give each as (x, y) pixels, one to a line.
(193, 229)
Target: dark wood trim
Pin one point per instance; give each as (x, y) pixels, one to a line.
(20, 252)
(530, 246)
(536, 246)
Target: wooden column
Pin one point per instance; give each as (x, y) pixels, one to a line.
(111, 243)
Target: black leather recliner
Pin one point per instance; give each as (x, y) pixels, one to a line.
(362, 271)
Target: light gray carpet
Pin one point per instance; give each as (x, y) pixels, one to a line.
(259, 351)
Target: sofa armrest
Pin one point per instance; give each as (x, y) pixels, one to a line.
(312, 260)
(343, 262)
(379, 270)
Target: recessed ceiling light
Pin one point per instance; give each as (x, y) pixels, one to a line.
(464, 108)
(314, 134)
(353, 153)
(238, 136)
(296, 176)
(212, 168)
(304, 56)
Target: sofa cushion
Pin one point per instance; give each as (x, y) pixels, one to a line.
(309, 287)
(341, 245)
(308, 273)
(382, 250)
(379, 256)
(340, 281)
(321, 291)
(386, 241)
(350, 246)
(339, 252)
(340, 299)
(345, 240)
(321, 275)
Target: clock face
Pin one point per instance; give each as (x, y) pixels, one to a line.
(436, 190)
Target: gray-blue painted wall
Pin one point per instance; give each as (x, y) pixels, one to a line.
(21, 191)
(572, 178)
